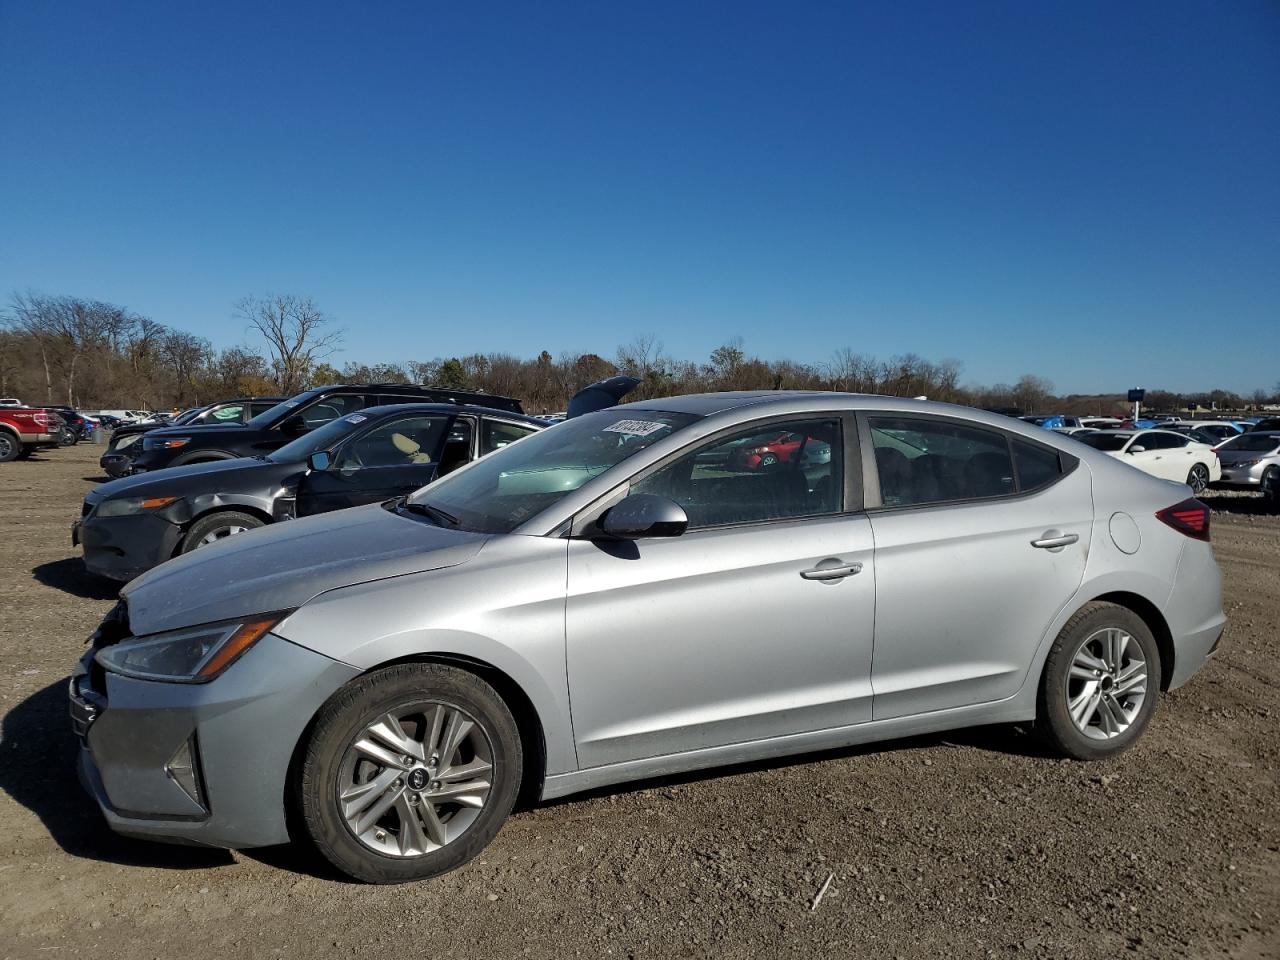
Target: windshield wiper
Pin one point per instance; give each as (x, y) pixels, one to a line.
(434, 513)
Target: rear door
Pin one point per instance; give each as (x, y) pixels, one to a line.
(981, 538)
(394, 457)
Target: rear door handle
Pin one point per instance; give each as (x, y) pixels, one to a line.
(1055, 540)
(831, 573)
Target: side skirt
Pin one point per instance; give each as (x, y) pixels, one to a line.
(1019, 707)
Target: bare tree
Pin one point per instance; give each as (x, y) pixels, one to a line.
(297, 335)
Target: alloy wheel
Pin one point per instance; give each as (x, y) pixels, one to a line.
(1198, 479)
(415, 778)
(221, 533)
(1107, 684)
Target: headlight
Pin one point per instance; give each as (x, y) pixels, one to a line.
(194, 655)
(127, 506)
(164, 443)
(1244, 463)
(128, 441)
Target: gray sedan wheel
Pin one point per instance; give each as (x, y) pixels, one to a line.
(410, 772)
(1100, 683)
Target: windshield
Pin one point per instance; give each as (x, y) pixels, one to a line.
(321, 438)
(514, 483)
(1252, 443)
(1104, 441)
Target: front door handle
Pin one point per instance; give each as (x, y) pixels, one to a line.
(838, 571)
(1055, 540)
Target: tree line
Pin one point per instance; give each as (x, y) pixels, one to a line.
(91, 354)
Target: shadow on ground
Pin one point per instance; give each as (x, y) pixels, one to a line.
(71, 577)
(1003, 738)
(1249, 506)
(38, 770)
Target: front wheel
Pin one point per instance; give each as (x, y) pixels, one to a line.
(1198, 479)
(1100, 683)
(409, 773)
(217, 526)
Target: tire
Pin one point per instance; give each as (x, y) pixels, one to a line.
(1270, 484)
(66, 438)
(386, 848)
(217, 526)
(10, 447)
(1198, 479)
(1110, 730)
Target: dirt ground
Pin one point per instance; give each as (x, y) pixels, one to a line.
(972, 844)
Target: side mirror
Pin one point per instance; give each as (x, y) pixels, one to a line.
(319, 460)
(644, 515)
(1137, 450)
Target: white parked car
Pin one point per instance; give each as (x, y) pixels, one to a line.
(1161, 453)
(10, 402)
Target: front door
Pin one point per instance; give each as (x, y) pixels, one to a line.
(391, 459)
(739, 630)
(980, 540)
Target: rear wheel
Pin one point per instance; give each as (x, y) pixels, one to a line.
(1198, 479)
(10, 448)
(67, 438)
(217, 526)
(409, 773)
(1100, 683)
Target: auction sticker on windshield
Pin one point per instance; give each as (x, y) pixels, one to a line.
(637, 428)
(356, 418)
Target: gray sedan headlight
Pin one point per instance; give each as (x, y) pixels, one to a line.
(126, 506)
(193, 655)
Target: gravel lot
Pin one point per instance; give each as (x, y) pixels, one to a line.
(973, 844)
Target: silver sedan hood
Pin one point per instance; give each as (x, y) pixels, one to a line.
(284, 565)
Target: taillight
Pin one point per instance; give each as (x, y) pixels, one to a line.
(1190, 517)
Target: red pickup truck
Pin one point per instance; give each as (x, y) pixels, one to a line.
(24, 430)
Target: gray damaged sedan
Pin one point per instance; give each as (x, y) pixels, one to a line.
(659, 587)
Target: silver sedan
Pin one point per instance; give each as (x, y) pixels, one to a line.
(1250, 461)
(625, 596)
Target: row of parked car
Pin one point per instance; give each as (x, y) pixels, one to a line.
(233, 466)
(1229, 454)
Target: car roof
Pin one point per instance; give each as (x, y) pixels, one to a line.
(448, 408)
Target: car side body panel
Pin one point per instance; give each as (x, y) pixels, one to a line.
(504, 608)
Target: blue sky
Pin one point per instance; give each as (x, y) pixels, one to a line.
(1089, 191)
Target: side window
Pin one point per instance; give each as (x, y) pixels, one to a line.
(495, 434)
(931, 461)
(324, 410)
(259, 407)
(1173, 441)
(404, 441)
(1037, 466)
(457, 447)
(767, 473)
(231, 413)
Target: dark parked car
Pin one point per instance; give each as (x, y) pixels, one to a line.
(1266, 424)
(76, 426)
(373, 455)
(175, 446)
(124, 445)
(130, 525)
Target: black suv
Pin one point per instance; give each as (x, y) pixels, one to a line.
(124, 446)
(174, 446)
